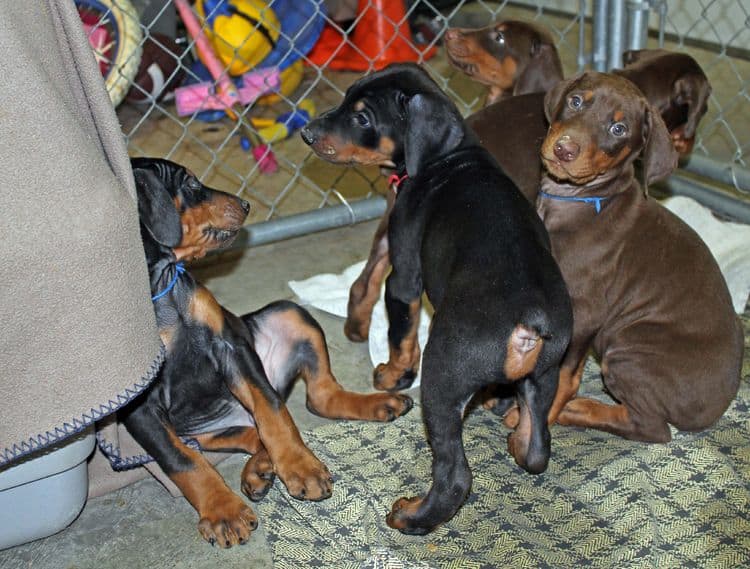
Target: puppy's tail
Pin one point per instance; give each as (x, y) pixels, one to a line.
(525, 344)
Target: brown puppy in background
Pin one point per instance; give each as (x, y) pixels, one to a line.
(515, 57)
(512, 57)
(648, 296)
(675, 85)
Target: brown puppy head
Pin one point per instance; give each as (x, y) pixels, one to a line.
(503, 54)
(397, 117)
(181, 215)
(599, 124)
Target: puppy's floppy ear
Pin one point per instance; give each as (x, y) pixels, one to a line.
(433, 128)
(544, 63)
(156, 208)
(554, 97)
(659, 154)
(692, 90)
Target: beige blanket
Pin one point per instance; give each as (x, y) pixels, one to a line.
(78, 330)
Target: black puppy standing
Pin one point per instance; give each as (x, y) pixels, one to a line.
(224, 377)
(464, 234)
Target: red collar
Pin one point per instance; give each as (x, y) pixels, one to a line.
(394, 181)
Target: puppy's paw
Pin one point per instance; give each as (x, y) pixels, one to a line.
(403, 517)
(306, 478)
(257, 476)
(387, 407)
(388, 377)
(227, 521)
(512, 417)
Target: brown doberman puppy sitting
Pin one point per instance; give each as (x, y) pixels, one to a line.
(648, 296)
(675, 85)
(224, 379)
(461, 232)
(512, 57)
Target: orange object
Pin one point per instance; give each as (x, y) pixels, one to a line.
(381, 36)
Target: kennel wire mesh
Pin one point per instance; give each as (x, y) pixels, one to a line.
(714, 32)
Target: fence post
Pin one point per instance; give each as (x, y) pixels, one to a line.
(616, 30)
(638, 13)
(600, 9)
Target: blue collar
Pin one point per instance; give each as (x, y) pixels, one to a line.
(596, 200)
(180, 269)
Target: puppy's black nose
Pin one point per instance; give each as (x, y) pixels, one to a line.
(245, 206)
(307, 135)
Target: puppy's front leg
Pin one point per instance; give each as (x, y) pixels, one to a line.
(305, 477)
(403, 303)
(365, 291)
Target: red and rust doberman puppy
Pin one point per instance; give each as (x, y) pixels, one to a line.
(675, 85)
(648, 296)
(516, 57)
(463, 233)
(224, 378)
(512, 57)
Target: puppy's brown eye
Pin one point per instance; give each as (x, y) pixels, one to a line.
(499, 37)
(361, 119)
(575, 102)
(618, 129)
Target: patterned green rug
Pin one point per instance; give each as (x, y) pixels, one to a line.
(603, 501)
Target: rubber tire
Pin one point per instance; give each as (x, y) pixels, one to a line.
(127, 58)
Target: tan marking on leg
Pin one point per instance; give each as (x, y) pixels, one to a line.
(363, 296)
(404, 357)
(247, 440)
(204, 308)
(520, 439)
(567, 388)
(225, 519)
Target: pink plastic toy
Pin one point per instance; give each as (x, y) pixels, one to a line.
(204, 96)
(227, 92)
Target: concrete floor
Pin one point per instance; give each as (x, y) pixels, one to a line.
(142, 525)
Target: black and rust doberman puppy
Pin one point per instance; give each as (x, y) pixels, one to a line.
(518, 156)
(512, 57)
(675, 85)
(224, 378)
(463, 233)
(648, 296)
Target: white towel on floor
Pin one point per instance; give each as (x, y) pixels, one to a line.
(729, 242)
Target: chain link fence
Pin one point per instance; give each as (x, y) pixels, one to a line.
(295, 78)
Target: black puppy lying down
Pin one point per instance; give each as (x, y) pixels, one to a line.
(224, 378)
(464, 234)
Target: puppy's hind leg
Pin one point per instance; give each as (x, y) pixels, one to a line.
(295, 334)
(444, 396)
(529, 443)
